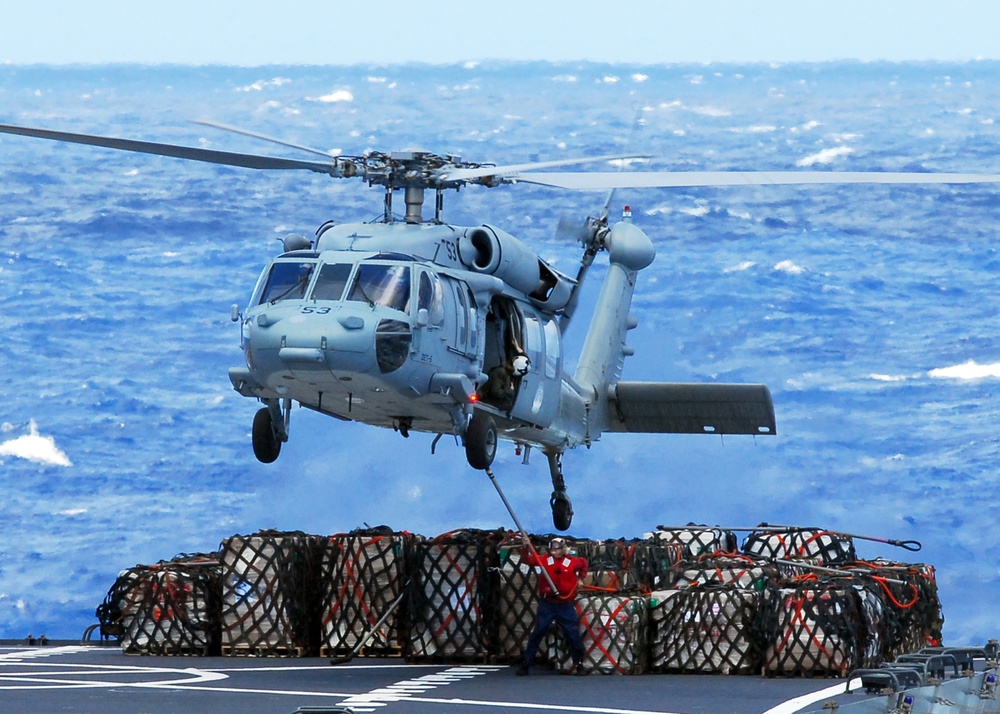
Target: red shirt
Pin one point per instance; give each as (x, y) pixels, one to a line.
(564, 572)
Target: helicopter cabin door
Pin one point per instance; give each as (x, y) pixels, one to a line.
(539, 392)
(522, 358)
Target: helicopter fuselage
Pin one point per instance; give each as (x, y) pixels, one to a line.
(412, 327)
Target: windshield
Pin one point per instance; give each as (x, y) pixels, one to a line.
(387, 285)
(331, 281)
(287, 281)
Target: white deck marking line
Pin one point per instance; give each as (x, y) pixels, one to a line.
(797, 703)
(43, 652)
(46, 678)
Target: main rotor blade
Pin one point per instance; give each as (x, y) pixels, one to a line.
(227, 158)
(262, 137)
(503, 171)
(691, 179)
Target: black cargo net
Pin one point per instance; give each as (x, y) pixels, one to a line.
(516, 597)
(171, 608)
(453, 596)
(614, 632)
(363, 576)
(696, 540)
(827, 547)
(736, 570)
(710, 628)
(269, 594)
(812, 628)
(912, 609)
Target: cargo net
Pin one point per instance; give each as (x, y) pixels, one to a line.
(628, 565)
(708, 628)
(696, 541)
(269, 602)
(614, 631)
(453, 596)
(169, 609)
(735, 570)
(912, 609)
(817, 627)
(363, 576)
(826, 547)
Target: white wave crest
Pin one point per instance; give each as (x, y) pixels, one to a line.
(825, 156)
(37, 448)
(339, 95)
(967, 370)
(787, 266)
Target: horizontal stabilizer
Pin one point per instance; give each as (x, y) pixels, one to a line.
(666, 408)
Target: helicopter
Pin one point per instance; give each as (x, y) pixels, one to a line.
(414, 324)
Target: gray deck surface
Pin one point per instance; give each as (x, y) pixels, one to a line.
(64, 677)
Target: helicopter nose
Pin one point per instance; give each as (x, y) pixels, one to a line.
(342, 339)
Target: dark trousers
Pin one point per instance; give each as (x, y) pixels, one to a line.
(563, 613)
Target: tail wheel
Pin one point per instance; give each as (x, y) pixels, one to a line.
(266, 445)
(481, 441)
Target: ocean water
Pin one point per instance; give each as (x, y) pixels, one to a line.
(871, 312)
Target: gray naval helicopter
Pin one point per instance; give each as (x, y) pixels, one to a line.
(418, 325)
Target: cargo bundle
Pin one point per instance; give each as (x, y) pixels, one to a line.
(363, 576)
(825, 547)
(678, 600)
(813, 628)
(269, 594)
(171, 608)
(696, 540)
(452, 596)
(706, 628)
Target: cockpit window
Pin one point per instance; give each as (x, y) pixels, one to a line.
(387, 285)
(431, 298)
(287, 281)
(331, 281)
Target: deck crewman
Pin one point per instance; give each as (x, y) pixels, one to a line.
(566, 572)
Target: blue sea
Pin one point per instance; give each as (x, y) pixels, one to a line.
(870, 311)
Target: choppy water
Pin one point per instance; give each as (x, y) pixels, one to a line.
(870, 311)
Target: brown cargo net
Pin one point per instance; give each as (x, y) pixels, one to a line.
(363, 574)
(709, 628)
(171, 608)
(453, 597)
(828, 547)
(269, 594)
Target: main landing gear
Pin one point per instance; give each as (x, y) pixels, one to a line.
(481, 441)
(270, 428)
(481, 447)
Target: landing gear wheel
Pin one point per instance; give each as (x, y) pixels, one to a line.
(562, 511)
(481, 441)
(266, 445)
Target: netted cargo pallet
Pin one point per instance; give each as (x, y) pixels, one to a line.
(816, 628)
(171, 608)
(362, 576)
(706, 629)
(453, 596)
(626, 565)
(269, 594)
(912, 608)
(734, 570)
(615, 635)
(828, 548)
(516, 601)
(696, 540)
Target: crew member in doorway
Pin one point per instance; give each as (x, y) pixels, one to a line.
(567, 573)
